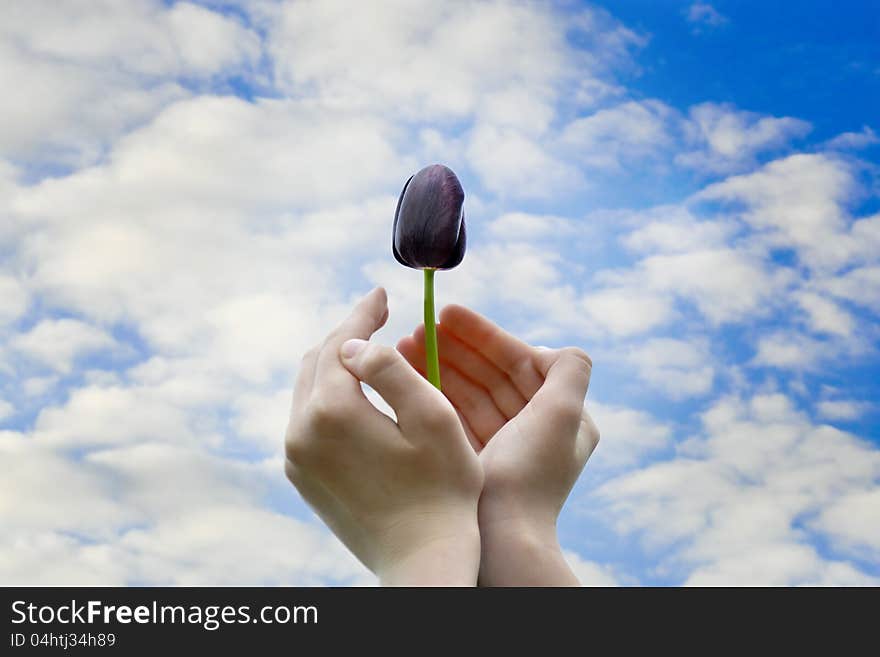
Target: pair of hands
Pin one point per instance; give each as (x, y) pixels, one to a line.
(468, 483)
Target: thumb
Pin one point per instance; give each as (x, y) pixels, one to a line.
(559, 402)
(386, 371)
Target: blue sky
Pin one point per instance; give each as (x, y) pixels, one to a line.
(192, 194)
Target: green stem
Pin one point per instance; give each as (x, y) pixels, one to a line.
(431, 331)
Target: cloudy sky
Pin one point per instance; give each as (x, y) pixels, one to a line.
(191, 195)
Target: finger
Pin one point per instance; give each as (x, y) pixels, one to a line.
(561, 398)
(415, 401)
(474, 402)
(478, 369)
(367, 317)
(510, 354)
(475, 442)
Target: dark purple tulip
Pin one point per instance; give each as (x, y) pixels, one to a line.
(429, 230)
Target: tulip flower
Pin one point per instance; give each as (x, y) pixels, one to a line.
(429, 234)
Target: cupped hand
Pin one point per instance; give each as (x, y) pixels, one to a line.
(401, 495)
(522, 410)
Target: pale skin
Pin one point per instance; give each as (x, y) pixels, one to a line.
(466, 485)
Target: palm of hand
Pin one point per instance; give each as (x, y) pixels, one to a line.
(521, 407)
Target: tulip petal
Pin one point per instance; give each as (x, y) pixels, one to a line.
(394, 228)
(458, 252)
(428, 230)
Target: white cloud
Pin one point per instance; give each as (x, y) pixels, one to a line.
(795, 350)
(725, 139)
(785, 349)
(149, 469)
(13, 299)
(208, 42)
(140, 36)
(6, 409)
(865, 231)
(88, 72)
(860, 285)
(677, 368)
(841, 409)
(724, 284)
(612, 137)
(64, 113)
(57, 343)
(258, 547)
(221, 207)
(35, 386)
(824, 315)
(434, 61)
(501, 69)
(674, 229)
(590, 573)
(523, 226)
(76, 501)
(797, 202)
(779, 565)
(625, 311)
(48, 558)
(97, 415)
(117, 521)
(628, 436)
(512, 164)
(853, 140)
(733, 499)
(854, 520)
(702, 13)
(262, 418)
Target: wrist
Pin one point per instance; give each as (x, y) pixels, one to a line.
(518, 520)
(522, 551)
(445, 553)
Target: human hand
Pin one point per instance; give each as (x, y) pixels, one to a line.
(522, 409)
(401, 495)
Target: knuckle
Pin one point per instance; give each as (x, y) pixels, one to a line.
(437, 417)
(296, 446)
(579, 355)
(323, 415)
(331, 416)
(565, 407)
(523, 366)
(311, 354)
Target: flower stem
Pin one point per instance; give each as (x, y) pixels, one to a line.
(431, 331)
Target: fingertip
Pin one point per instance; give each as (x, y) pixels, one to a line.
(416, 343)
(545, 358)
(376, 303)
(377, 296)
(409, 349)
(451, 311)
(407, 346)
